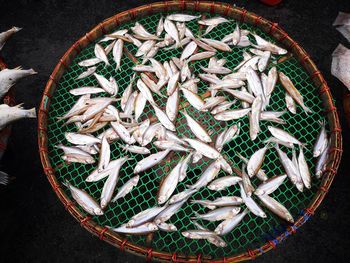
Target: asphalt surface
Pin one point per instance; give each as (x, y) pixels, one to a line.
(34, 227)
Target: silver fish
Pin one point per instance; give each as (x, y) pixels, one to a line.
(86, 90)
(160, 27)
(254, 127)
(276, 208)
(135, 149)
(228, 225)
(254, 83)
(241, 95)
(278, 141)
(181, 29)
(145, 48)
(171, 29)
(185, 71)
(272, 116)
(105, 84)
(184, 195)
(267, 46)
(140, 31)
(255, 162)
(143, 68)
(194, 99)
(188, 50)
(184, 166)
(86, 73)
(290, 104)
(140, 104)
(213, 21)
(10, 114)
(126, 188)
(100, 53)
(139, 230)
(78, 158)
(283, 135)
(89, 62)
(126, 94)
(108, 187)
(150, 133)
(150, 161)
(118, 53)
(201, 55)
(251, 204)
(223, 107)
(218, 214)
(144, 216)
(122, 132)
(172, 83)
(169, 184)
(84, 200)
(223, 182)
(171, 145)
(79, 107)
(172, 105)
(163, 118)
(232, 114)
(216, 44)
(196, 128)
(168, 212)
(105, 154)
(203, 45)
(321, 141)
(322, 162)
(304, 169)
(246, 183)
(221, 201)
(270, 185)
(170, 136)
(207, 176)
(4, 36)
(167, 227)
(203, 148)
(182, 17)
(292, 90)
(81, 139)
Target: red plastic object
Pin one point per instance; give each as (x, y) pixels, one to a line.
(271, 2)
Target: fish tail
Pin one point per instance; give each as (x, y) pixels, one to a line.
(16, 29)
(31, 113)
(4, 178)
(32, 71)
(66, 183)
(18, 68)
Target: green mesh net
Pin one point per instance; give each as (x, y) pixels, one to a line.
(252, 231)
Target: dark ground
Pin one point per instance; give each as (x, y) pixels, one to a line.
(34, 227)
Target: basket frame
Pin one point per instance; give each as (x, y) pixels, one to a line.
(224, 9)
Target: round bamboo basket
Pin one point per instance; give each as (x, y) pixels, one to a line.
(151, 253)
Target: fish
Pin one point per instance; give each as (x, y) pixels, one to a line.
(126, 188)
(167, 227)
(160, 27)
(304, 169)
(122, 132)
(163, 118)
(171, 29)
(181, 28)
(260, 174)
(322, 162)
(109, 187)
(185, 71)
(223, 182)
(182, 17)
(203, 148)
(188, 50)
(194, 99)
(231, 114)
(217, 44)
(79, 107)
(105, 84)
(245, 65)
(290, 104)
(86, 90)
(246, 183)
(255, 84)
(241, 95)
(292, 91)
(142, 229)
(118, 53)
(228, 225)
(10, 114)
(4, 36)
(81, 139)
(223, 107)
(100, 53)
(272, 116)
(169, 184)
(169, 211)
(184, 195)
(321, 141)
(201, 55)
(105, 154)
(267, 46)
(290, 169)
(84, 200)
(220, 139)
(130, 104)
(145, 48)
(127, 92)
(196, 128)
(172, 83)
(207, 176)
(8, 78)
(135, 149)
(144, 216)
(254, 118)
(221, 201)
(150, 133)
(236, 35)
(219, 214)
(150, 161)
(172, 105)
(114, 165)
(217, 70)
(86, 73)
(251, 204)
(89, 62)
(270, 185)
(184, 167)
(140, 103)
(171, 145)
(283, 135)
(4, 178)
(278, 141)
(342, 19)
(78, 158)
(198, 234)
(213, 21)
(141, 32)
(276, 208)
(255, 162)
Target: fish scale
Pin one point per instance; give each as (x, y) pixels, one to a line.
(239, 243)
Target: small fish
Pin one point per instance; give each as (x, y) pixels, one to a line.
(86, 73)
(246, 183)
(198, 234)
(172, 83)
(150, 133)
(290, 104)
(171, 29)
(196, 128)
(255, 84)
(168, 212)
(144, 216)
(141, 32)
(10, 114)
(223, 107)
(223, 182)
(170, 145)
(105, 154)
(8, 78)
(267, 46)
(118, 53)
(100, 53)
(114, 165)
(135, 149)
(283, 135)
(121, 32)
(194, 99)
(143, 68)
(216, 44)
(84, 200)
(145, 48)
(185, 71)
(254, 118)
(322, 162)
(188, 50)
(150, 161)
(167, 227)
(78, 158)
(232, 114)
(292, 90)
(207, 176)
(213, 21)
(218, 214)
(89, 62)
(160, 27)
(251, 204)
(276, 208)
(184, 166)
(142, 229)
(172, 105)
(201, 55)
(163, 118)
(270, 185)
(86, 90)
(255, 162)
(228, 225)
(181, 29)
(122, 132)
(104, 83)
(321, 141)
(126, 94)
(278, 141)
(203, 45)
(126, 188)
(81, 139)
(221, 201)
(203, 148)
(182, 17)
(241, 95)
(79, 107)
(304, 169)
(108, 188)
(169, 184)
(4, 36)
(140, 103)
(272, 116)
(184, 195)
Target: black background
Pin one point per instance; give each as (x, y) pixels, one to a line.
(34, 227)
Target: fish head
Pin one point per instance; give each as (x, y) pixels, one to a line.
(98, 211)
(161, 199)
(172, 227)
(186, 234)
(130, 223)
(152, 227)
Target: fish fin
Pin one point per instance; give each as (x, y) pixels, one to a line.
(18, 68)
(4, 178)
(32, 71)
(31, 113)
(19, 105)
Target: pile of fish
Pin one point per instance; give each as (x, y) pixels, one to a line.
(8, 78)
(251, 83)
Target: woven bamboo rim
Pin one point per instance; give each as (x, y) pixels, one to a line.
(9, 100)
(203, 6)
